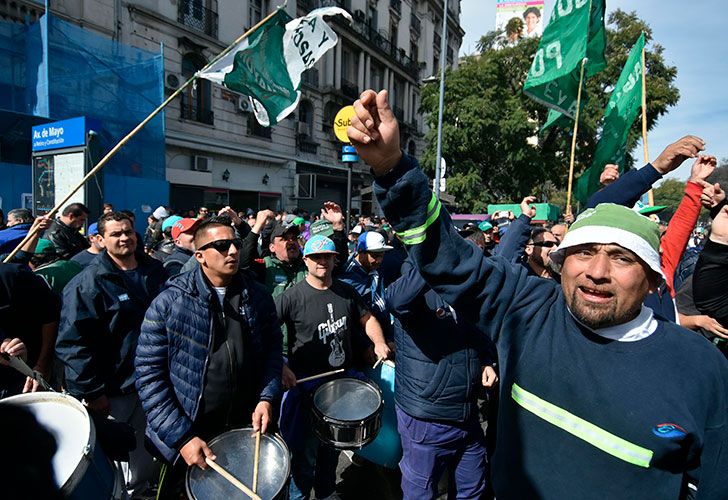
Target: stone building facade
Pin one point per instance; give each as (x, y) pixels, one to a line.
(216, 153)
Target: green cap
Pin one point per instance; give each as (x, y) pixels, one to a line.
(298, 221)
(614, 224)
(643, 209)
(322, 227)
(485, 226)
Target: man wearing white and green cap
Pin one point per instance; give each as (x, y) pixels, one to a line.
(594, 397)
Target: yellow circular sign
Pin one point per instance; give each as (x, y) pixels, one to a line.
(342, 122)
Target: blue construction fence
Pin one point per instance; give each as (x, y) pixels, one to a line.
(54, 70)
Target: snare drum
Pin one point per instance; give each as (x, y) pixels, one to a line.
(347, 413)
(235, 451)
(81, 469)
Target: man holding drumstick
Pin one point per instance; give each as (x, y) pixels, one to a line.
(209, 355)
(321, 316)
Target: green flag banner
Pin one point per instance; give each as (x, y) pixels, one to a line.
(575, 32)
(623, 106)
(267, 66)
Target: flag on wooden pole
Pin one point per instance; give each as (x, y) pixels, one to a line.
(623, 106)
(575, 32)
(267, 66)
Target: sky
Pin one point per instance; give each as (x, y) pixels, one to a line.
(695, 38)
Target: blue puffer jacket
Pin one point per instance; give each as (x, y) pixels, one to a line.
(173, 353)
(439, 357)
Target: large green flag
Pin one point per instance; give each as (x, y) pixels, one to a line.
(267, 66)
(623, 106)
(575, 32)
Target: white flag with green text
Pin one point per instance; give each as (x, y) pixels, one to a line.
(267, 66)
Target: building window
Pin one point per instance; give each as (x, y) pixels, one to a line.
(257, 10)
(414, 50)
(256, 129)
(330, 110)
(305, 118)
(196, 99)
(393, 31)
(375, 76)
(200, 15)
(349, 72)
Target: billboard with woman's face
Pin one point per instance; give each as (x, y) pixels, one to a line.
(519, 18)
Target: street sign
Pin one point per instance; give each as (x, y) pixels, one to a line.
(342, 122)
(59, 135)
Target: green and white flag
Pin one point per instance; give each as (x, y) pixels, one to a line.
(624, 104)
(575, 32)
(267, 66)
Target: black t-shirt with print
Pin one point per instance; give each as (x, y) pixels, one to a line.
(320, 325)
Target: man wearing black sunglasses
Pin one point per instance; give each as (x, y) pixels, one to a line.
(538, 249)
(209, 354)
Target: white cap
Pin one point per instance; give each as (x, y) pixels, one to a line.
(356, 229)
(372, 241)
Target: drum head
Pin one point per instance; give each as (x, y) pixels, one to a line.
(67, 420)
(235, 451)
(347, 399)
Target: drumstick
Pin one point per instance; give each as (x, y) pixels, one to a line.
(379, 360)
(256, 462)
(320, 375)
(233, 480)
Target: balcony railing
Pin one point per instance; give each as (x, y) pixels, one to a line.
(191, 13)
(349, 89)
(310, 77)
(396, 6)
(306, 145)
(380, 40)
(415, 24)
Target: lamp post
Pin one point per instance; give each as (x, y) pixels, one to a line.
(443, 45)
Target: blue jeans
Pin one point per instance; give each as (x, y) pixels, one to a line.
(430, 448)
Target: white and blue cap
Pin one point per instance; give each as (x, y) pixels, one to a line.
(372, 241)
(319, 244)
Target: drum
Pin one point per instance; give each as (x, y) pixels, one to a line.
(386, 449)
(235, 451)
(347, 413)
(81, 469)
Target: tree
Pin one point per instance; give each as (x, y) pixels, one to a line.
(490, 128)
(670, 193)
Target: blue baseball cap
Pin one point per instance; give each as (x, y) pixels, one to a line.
(170, 221)
(319, 245)
(93, 229)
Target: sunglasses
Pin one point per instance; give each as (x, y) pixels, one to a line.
(222, 246)
(546, 244)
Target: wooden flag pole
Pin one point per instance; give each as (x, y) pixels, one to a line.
(134, 131)
(573, 138)
(645, 147)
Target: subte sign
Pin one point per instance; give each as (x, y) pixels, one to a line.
(342, 122)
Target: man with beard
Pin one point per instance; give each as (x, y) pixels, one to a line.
(593, 395)
(538, 250)
(103, 309)
(63, 232)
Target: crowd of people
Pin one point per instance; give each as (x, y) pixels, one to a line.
(594, 348)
